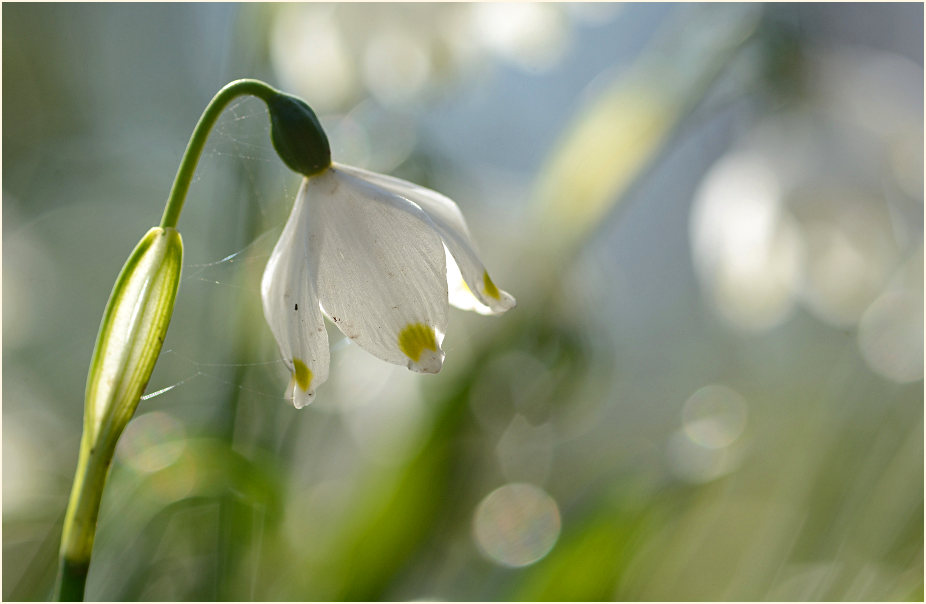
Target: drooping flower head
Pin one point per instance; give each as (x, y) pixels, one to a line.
(383, 259)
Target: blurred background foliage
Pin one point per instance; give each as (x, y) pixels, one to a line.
(711, 216)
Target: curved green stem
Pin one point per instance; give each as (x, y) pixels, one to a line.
(198, 140)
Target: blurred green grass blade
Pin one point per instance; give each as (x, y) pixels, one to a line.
(398, 512)
(616, 135)
(207, 472)
(405, 516)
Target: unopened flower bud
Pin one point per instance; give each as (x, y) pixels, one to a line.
(132, 332)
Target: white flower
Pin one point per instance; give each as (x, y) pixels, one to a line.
(375, 254)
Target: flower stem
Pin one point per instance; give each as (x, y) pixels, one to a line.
(80, 520)
(194, 148)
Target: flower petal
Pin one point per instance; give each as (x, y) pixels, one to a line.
(460, 294)
(292, 309)
(380, 267)
(450, 224)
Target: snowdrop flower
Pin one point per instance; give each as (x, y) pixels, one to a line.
(382, 258)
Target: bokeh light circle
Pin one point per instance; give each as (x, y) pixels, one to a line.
(516, 524)
(745, 244)
(890, 336)
(151, 442)
(714, 416)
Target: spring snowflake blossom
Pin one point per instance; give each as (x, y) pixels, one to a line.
(383, 259)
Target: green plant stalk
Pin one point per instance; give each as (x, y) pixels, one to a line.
(131, 334)
(80, 520)
(101, 432)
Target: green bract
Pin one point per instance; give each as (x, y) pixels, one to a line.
(132, 331)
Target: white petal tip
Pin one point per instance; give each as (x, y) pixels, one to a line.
(302, 398)
(502, 304)
(498, 300)
(430, 361)
(505, 302)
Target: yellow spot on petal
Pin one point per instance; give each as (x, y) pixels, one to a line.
(489, 287)
(416, 337)
(302, 374)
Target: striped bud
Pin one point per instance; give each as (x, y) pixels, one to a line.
(131, 332)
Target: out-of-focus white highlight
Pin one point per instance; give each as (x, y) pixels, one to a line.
(311, 56)
(713, 421)
(848, 257)
(890, 336)
(516, 525)
(396, 66)
(695, 463)
(714, 416)
(814, 206)
(528, 34)
(335, 55)
(746, 248)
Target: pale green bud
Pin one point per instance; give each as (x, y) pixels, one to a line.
(131, 333)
